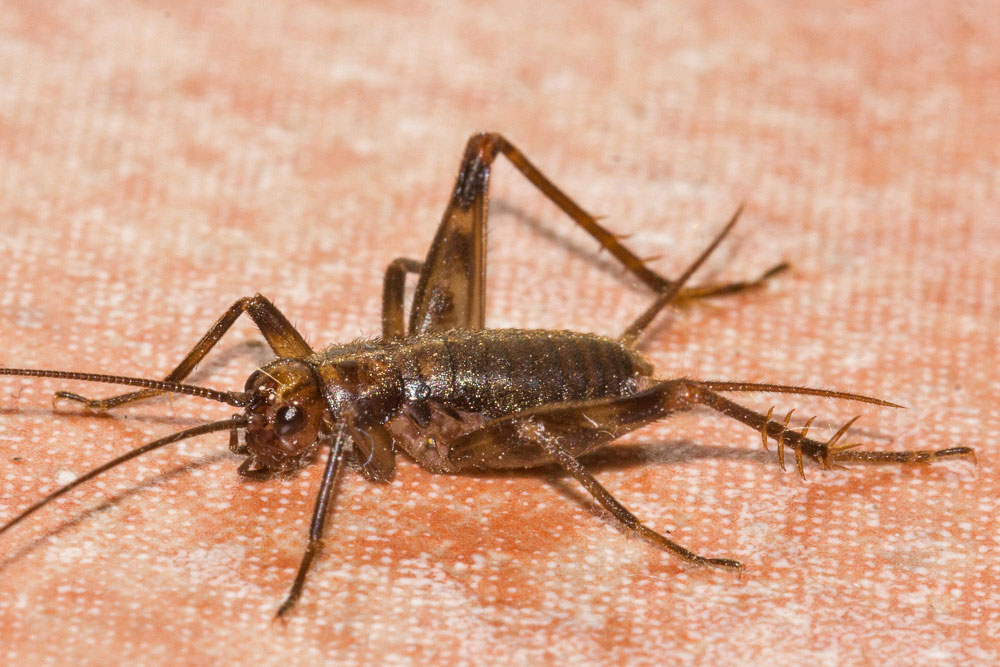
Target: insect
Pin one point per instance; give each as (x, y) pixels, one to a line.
(456, 396)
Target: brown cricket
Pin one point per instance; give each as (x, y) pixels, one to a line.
(456, 396)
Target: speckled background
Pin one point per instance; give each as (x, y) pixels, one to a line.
(159, 161)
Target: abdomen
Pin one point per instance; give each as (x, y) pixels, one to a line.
(495, 372)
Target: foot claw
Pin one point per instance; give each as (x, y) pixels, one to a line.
(773, 271)
(727, 563)
(960, 452)
(88, 403)
(922, 456)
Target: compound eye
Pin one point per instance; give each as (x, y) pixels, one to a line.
(252, 381)
(289, 420)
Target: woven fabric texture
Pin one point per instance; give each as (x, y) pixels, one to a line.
(160, 160)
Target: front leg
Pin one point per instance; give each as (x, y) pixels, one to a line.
(334, 464)
(277, 330)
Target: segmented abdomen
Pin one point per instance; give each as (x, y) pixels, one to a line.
(501, 371)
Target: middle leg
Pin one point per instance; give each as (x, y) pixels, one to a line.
(628, 520)
(563, 431)
(393, 286)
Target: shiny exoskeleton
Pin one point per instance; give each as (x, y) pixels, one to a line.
(421, 394)
(457, 396)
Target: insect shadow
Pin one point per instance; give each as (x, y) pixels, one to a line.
(601, 262)
(457, 396)
(111, 501)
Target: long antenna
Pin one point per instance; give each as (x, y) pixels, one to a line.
(223, 425)
(236, 399)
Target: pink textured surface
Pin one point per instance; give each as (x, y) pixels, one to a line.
(156, 163)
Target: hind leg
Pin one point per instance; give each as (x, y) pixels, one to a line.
(828, 454)
(582, 426)
(450, 289)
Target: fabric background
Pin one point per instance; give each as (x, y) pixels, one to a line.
(160, 160)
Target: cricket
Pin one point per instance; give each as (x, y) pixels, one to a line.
(457, 396)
